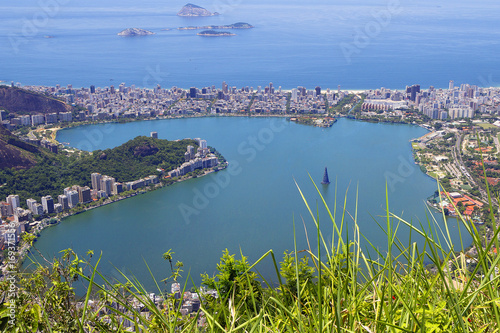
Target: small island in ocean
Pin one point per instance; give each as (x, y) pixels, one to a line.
(135, 32)
(191, 10)
(239, 25)
(213, 33)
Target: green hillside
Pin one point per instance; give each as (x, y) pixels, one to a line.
(134, 159)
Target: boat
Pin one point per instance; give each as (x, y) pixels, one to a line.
(325, 181)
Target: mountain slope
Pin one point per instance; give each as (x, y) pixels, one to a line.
(21, 101)
(15, 153)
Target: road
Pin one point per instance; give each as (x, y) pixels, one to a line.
(361, 100)
(497, 143)
(457, 156)
(31, 135)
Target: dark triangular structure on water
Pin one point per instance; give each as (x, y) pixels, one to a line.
(325, 181)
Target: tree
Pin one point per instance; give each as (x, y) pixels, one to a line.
(46, 299)
(235, 280)
(296, 273)
(168, 256)
(461, 208)
(178, 269)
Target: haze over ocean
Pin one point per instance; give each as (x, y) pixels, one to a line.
(355, 44)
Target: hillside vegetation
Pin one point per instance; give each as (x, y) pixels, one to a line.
(134, 159)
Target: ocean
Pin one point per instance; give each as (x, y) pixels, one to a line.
(354, 44)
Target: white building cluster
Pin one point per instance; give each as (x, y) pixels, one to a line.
(38, 119)
(452, 103)
(199, 159)
(459, 102)
(105, 186)
(102, 187)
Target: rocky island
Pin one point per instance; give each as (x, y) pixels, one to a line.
(135, 32)
(239, 25)
(191, 10)
(213, 33)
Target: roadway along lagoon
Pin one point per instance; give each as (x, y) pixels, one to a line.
(251, 205)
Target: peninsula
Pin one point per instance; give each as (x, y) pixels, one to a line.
(135, 159)
(213, 33)
(239, 25)
(130, 32)
(191, 10)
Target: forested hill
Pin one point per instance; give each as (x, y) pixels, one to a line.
(20, 101)
(134, 159)
(138, 158)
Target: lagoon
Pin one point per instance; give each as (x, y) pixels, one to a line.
(251, 206)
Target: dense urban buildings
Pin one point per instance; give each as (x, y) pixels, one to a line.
(109, 103)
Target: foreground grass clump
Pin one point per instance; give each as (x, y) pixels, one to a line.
(346, 291)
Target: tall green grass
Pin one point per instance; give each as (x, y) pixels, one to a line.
(336, 287)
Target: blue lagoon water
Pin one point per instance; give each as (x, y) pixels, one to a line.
(251, 207)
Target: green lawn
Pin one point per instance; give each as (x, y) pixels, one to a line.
(486, 126)
(415, 146)
(433, 175)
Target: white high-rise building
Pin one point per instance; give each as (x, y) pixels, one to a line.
(48, 204)
(30, 202)
(63, 201)
(107, 184)
(452, 85)
(25, 120)
(13, 200)
(37, 119)
(96, 181)
(73, 198)
(37, 209)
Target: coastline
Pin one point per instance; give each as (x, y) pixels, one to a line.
(56, 130)
(221, 115)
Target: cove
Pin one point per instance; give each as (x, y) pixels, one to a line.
(250, 206)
